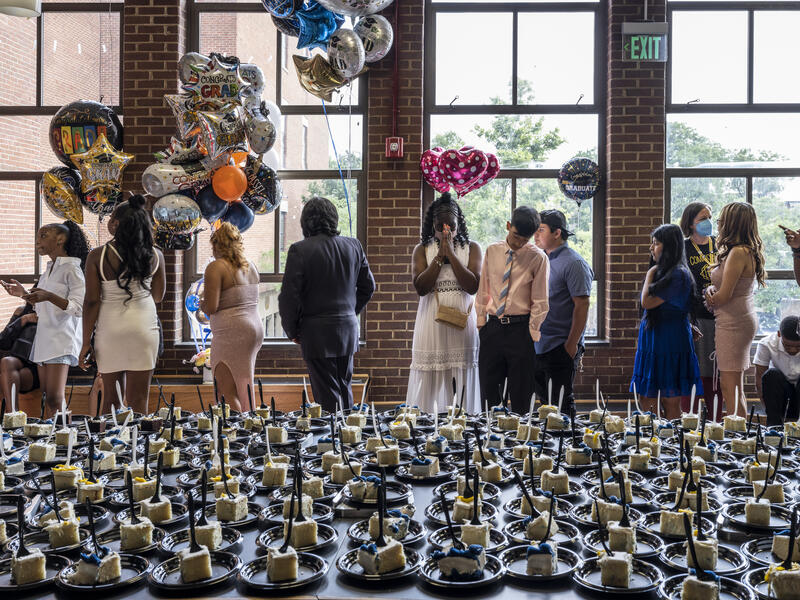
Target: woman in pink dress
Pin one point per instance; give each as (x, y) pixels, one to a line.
(730, 295)
(231, 302)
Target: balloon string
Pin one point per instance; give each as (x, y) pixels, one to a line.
(339, 166)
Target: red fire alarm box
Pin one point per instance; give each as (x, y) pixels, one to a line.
(394, 147)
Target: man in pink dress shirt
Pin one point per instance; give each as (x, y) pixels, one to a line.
(512, 303)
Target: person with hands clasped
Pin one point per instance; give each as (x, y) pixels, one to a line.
(58, 302)
(446, 268)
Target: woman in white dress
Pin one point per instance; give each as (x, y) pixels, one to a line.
(446, 270)
(58, 302)
(124, 280)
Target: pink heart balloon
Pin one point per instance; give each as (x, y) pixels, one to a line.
(431, 173)
(462, 169)
(492, 169)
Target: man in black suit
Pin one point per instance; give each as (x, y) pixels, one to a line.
(326, 284)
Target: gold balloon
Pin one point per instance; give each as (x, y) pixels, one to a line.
(101, 168)
(317, 76)
(61, 198)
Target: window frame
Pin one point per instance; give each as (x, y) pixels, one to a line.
(359, 107)
(749, 107)
(597, 108)
(41, 110)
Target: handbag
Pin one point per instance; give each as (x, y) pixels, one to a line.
(450, 315)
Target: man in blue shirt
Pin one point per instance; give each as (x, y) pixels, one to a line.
(560, 347)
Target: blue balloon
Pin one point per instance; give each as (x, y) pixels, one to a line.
(212, 207)
(240, 216)
(192, 302)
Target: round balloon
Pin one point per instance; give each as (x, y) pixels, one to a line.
(261, 133)
(176, 213)
(239, 215)
(346, 53)
(60, 189)
(212, 207)
(271, 111)
(77, 125)
(579, 179)
(229, 183)
(355, 8)
(264, 190)
(167, 240)
(376, 35)
(189, 63)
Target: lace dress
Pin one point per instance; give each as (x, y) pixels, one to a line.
(441, 352)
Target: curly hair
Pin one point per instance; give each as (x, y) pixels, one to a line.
(319, 216)
(738, 226)
(134, 242)
(76, 244)
(227, 241)
(444, 204)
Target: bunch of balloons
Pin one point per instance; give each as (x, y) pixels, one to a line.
(466, 169)
(220, 166)
(198, 325)
(318, 24)
(87, 137)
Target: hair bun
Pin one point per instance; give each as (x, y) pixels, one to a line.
(446, 197)
(137, 201)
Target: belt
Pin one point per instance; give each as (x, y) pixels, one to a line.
(510, 319)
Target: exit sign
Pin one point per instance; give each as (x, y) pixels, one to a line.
(644, 42)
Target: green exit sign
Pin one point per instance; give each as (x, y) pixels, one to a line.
(644, 42)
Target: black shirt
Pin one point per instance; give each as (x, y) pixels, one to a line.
(700, 266)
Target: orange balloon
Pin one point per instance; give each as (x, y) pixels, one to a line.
(229, 183)
(239, 157)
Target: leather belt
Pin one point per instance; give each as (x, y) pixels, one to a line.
(510, 319)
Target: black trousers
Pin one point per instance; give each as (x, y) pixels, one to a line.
(557, 365)
(780, 397)
(330, 380)
(506, 351)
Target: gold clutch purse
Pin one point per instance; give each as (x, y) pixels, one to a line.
(451, 316)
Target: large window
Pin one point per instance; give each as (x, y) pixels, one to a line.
(503, 77)
(72, 52)
(733, 118)
(308, 164)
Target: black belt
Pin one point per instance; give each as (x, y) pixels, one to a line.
(510, 319)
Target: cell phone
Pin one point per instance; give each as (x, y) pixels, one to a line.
(783, 227)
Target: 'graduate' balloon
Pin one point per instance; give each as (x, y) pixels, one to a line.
(101, 168)
(216, 80)
(77, 125)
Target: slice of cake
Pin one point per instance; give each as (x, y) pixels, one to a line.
(341, 473)
(493, 472)
(609, 511)
(774, 492)
(14, 465)
(219, 486)
(388, 456)
(158, 511)
(281, 566)
(508, 422)
(66, 436)
(558, 482)
(195, 565)
(462, 509)
(376, 561)
(63, 533)
(540, 465)
(579, 455)
(639, 461)
(29, 568)
(67, 476)
(536, 527)
(277, 435)
(232, 508)
(461, 565)
(476, 534)
(527, 432)
(357, 420)
(671, 522)
(375, 442)
(614, 424)
(557, 422)
(461, 485)
(743, 446)
(304, 533)
(274, 474)
(302, 424)
(426, 466)
(352, 435)
(435, 444)
(314, 409)
(89, 490)
(93, 569)
(143, 488)
(329, 459)
(693, 588)
(35, 430)
(791, 429)
(715, 431)
(622, 539)
(542, 559)
(707, 552)
(138, 535)
(616, 569)
(395, 525)
(14, 420)
(780, 546)
(689, 421)
(452, 432)
(364, 488)
(307, 505)
(65, 509)
(41, 452)
(757, 511)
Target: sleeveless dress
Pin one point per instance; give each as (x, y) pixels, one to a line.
(735, 323)
(237, 334)
(440, 352)
(126, 335)
(665, 357)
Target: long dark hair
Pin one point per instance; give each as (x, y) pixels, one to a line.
(689, 215)
(444, 204)
(670, 263)
(134, 242)
(76, 244)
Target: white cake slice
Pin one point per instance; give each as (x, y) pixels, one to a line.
(616, 569)
(476, 534)
(30, 568)
(461, 565)
(133, 536)
(63, 533)
(395, 525)
(693, 588)
(376, 561)
(281, 566)
(158, 511)
(757, 512)
(304, 533)
(707, 552)
(195, 566)
(232, 508)
(542, 559)
(93, 569)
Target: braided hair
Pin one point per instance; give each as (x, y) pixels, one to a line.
(444, 204)
(134, 242)
(76, 244)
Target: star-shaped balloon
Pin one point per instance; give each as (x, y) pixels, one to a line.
(317, 76)
(216, 80)
(101, 169)
(312, 25)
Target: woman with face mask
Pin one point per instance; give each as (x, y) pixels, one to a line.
(701, 254)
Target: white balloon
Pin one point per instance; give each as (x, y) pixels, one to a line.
(274, 116)
(377, 36)
(346, 53)
(272, 160)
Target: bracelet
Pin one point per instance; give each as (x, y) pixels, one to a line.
(439, 262)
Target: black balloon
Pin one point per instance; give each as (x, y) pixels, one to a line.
(69, 176)
(76, 126)
(167, 240)
(264, 189)
(212, 207)
(238, 214)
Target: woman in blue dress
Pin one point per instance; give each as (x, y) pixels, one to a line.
(665, 357)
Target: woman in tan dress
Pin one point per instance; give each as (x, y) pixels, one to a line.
(730, 295)
(231, 302)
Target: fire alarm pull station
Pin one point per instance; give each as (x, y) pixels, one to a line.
(394, 147)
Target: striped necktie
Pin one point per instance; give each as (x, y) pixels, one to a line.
(506, 284)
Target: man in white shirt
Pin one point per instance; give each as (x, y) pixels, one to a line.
(777, 363)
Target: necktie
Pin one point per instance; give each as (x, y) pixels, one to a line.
(506, 284)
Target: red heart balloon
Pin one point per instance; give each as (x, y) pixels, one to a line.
(462, 169)
(431, 173)
(492, 169)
